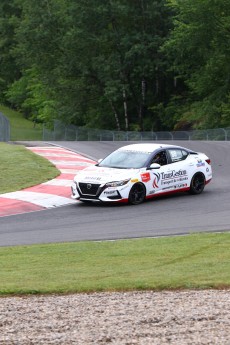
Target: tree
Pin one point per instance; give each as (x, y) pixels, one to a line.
(37, 50)
(9, 71)
(97, 62)
(199, 48)
(116, 49)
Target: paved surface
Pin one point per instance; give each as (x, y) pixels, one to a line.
(50, 194)
(177, 318)
(172, 215)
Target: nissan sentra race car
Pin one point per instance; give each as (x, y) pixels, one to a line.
(137, 172)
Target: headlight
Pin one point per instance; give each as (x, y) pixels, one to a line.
(117, 183)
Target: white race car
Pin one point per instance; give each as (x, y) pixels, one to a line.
(137, 172)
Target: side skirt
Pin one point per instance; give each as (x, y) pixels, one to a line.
(168, 193)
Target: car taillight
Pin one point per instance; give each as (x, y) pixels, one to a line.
(208, 161)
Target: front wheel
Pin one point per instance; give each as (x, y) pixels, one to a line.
(137, 194)
(197, 184)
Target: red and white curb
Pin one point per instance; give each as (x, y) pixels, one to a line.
(53, 193)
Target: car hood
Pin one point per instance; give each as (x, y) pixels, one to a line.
(102, 175)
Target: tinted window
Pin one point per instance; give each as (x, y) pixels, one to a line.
(177, 155)
(160, 158)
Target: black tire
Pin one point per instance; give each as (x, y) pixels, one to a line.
(137, 194)
(197, 184)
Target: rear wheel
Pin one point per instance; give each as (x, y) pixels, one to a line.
(137, 194)
(197, 184)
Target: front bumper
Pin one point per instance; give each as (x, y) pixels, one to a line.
(99, 193)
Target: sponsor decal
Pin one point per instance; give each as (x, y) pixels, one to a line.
(173, 174)
(135, 180)
(169, 178)
(200, 163)
(167, 182)
(182, 185)
(151, 192)
(155, 185)
(145, 177)
(94, 178)
(167, 188)
(156, 180)
(174, 180)
(110, 192)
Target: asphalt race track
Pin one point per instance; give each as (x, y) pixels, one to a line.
(163, 216)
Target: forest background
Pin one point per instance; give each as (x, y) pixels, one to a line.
(117, 64)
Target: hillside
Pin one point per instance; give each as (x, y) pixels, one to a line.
(20, 127)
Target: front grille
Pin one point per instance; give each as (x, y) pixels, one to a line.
(89, 188)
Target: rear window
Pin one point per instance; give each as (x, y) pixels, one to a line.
(177, 155)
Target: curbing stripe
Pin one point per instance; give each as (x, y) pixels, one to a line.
(41, 199)
(50, 194)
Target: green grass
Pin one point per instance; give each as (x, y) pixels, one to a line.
(21, 128)
(21, 168)
(193, 261)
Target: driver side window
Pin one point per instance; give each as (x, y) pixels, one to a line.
(160, 158)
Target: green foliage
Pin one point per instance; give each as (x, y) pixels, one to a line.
(199, 48)
(9, 14)
(96, 61)
(30, 95)
(117, 64)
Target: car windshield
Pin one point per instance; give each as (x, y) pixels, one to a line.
(122, 159)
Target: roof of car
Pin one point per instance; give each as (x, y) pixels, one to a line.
(146, 147)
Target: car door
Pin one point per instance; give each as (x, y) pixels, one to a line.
(174, 172)
(161, 177)
(180, 169)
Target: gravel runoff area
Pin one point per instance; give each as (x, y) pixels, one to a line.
(181, 317)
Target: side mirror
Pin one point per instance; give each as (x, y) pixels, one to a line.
(154, 166)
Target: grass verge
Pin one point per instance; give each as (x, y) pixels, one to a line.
(20, 127)
(21, 168)
(193, 261)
